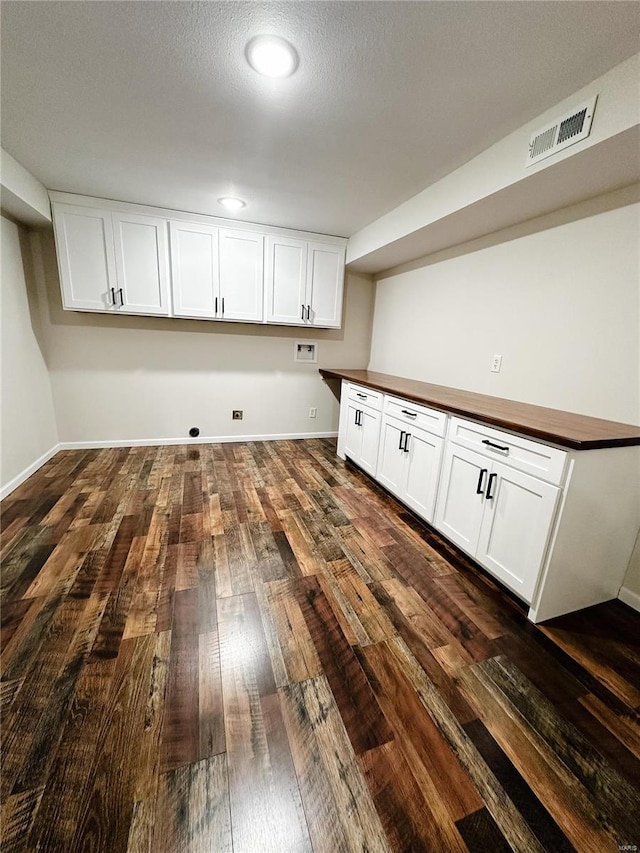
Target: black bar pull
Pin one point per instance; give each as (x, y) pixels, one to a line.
(362, 396)
(402, 434)
(121, 296)
(302, 315)
(502, 447)
(407, 436)
(308, 312)
(216, 307)
(355, 418)
(223, 306)
(483, 471)
(410, 414)
(113, 295)
(492, 479)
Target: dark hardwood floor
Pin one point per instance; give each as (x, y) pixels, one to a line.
(251, 648)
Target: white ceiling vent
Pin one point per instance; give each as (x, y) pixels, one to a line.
(561, 133)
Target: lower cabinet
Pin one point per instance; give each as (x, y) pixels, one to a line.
(497, 514)
(556, 527)
(409, 464)
(362, 433)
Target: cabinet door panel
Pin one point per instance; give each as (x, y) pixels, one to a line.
(84, 242)
(459, 508)
(423, 469)
(286, 280)
(353, 434)
(370, 440)
(515, 528)
(194, 269)
(241, 258)
(141, 263)
(325, 276)
(391, 458)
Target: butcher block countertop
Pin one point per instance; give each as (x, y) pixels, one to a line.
(578, 432)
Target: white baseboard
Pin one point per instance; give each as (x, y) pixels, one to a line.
(201, 439)
(12, 485)
(630, 597)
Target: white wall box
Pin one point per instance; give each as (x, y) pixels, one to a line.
(114, 257)
(556, 525)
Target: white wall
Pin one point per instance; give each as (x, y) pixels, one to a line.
(561, 305)
(27, 423)
(138, 378)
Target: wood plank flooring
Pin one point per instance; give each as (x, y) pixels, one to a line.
(252, 648)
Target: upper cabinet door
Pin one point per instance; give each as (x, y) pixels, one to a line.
(241, 263)
(194, 269)
(84, 242)
(286, 281)
(325, 276)
(141, 263)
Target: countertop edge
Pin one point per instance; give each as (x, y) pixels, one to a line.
(514, 425)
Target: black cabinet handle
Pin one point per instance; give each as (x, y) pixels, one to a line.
(407, 436)
(121, 296)
(402, 435)
(113, 295)
(479, 490)
(308, 312)
(355, 417)
(223, 306)
(502, 447)
(492, 479)
(216, 308)
(362, 396)
(302, 312)
(410, 414)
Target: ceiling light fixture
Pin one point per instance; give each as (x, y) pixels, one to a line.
(272, 56)
(232, 203)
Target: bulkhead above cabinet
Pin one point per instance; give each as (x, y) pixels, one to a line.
(121, 258)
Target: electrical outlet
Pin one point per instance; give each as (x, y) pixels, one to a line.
(236, 415)
(496, 364)
(313, 412)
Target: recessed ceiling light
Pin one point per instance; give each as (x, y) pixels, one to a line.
(232, 203)
(272, 56)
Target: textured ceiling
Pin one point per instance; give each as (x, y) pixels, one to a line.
(153, 102)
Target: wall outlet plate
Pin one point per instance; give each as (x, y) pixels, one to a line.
(236, 414)
(496, 363)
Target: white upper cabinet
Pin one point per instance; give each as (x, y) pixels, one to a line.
(84, 240)
(325, 277)
(124, 258)
(286, 281)
(304, 282)
(241, 255)
(142, 267)
(194, 269)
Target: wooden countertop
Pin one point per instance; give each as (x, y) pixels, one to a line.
(567, 429)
